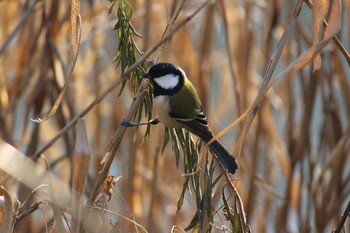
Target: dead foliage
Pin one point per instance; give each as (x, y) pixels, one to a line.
(274, 80)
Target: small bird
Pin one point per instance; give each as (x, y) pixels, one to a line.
(178, 106)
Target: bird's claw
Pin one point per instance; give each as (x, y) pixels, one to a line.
(127, 123)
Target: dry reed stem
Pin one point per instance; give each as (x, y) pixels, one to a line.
(19, 25)
(114, 144)
(8, 213)
(342, 221)
(336, 40)
(294, 158)
(231, 59)
(255, 107)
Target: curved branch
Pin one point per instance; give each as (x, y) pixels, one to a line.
(118, 136)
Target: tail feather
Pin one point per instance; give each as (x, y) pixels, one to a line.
(224, 156)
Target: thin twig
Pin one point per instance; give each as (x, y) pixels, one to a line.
(345, 215)
(232, 64)
(170, 27)
(114, 145)
(125, 205)
(254, 109)
(19, 25)
(335, 38)
(119, 215)
(7, 211)
(55, 204)
(239, 201)
(114, 84)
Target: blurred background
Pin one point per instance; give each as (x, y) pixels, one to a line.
(294, 167)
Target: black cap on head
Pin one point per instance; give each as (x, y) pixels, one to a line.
(167, 78)
(161, 69)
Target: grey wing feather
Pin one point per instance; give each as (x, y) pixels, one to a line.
(197, 125)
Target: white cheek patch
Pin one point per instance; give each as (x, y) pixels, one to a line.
(168, 81)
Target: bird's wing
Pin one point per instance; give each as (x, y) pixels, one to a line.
(197, 125)
(187, 109)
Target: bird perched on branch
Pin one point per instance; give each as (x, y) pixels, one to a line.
(178, 106)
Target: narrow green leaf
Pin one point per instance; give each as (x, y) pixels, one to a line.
(135, 32)
(166, 139)
(182, 195)
(117, 26)
(216, 179)
(111, 7)
(175, 145)
(227, 209)
(194, 224)
(122, 88)
(128, 11)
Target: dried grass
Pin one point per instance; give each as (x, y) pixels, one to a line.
(278, 67)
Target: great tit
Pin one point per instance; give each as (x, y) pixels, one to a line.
(178, 106)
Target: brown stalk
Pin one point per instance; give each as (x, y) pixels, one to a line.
(76, 31)
(252, 192)
(336, 40)
(19, 25)
(152, 223)
(204, 54)
(114, 145)
(231, 59)
(147, 25)
(7, 212)
(114, 84)
(267, 77)
(238, 200)
(345, 215)
(55, 204)
(80, 163)
(344, 84)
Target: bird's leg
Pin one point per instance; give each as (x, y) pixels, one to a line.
(127, 123)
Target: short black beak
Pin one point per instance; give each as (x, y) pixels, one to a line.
(146, 75)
